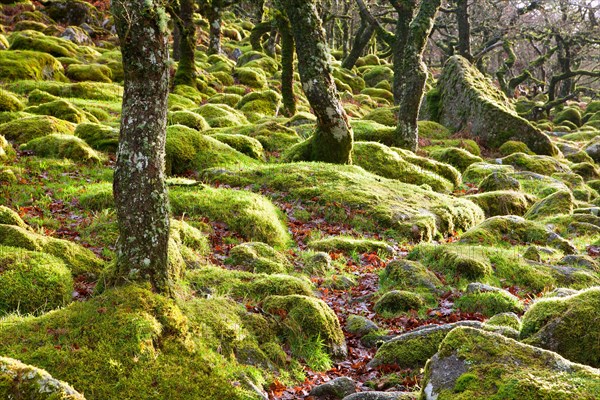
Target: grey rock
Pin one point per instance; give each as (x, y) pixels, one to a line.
(339, 388)
(359, 325)
(383, 396)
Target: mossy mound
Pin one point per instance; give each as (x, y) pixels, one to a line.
(566, 325)
(374, 75)
(89, 72)
(371, 131)
(537, 184)
(189, 150)
(221, 115)
(413, 212)
(572, 115)
(23, 130)
(309, 318)
(32, 282)
(18, 65)
(469, 101)
(144, 346)
(19, 380)
(408, 275)
(587, 170)
(99, 137)
(477, 172)
(433, 130)
(258, 105)
(350, 245)
(242, 143)
(258, 257)
(189, 119)
(272, 135)
(379, 95)
(6, 150)
(251, 215)
(510, 229)
(37, 97)
(230, 99)
(383, 161)
(37, 41)
(452, 262)
(9, 102)
(350, 78)
(456, 157)
(539, 164)
(475, 364)
(62, 146)
(62, 109)
(446, 171)
(509, 319)
(502, 202)
(80, 90)
(489, 302)
(499, 181)
(384, 115)
(561, 202)
(11, 217)
(513, 146)
(251, 77)
(397, 302)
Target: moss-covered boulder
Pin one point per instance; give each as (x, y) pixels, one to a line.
(499, 181)
(258, 105)
(570, 114)
(32, 282)
(413, 349)
(221, 115)
(89, 72)
(488, 300)
(350, 78)
(443, 169)
(251, 77)
(9, 102)
(189, 119)
(350, 244)
(37, 41)
(34, 65)
(411, 211)
(511, 229)
(376, 74)
(272, 135)
(37, 97)
(62, 146)
(259, 258)
(23, 130)
(189, 150)
(73, 12)
(452, 261)
(244, 144)
(6, 150)
(473, 363)
(477, 172)
(99, 137)
(514, 146)
(19, 380)
(561, 202)
(62, 109)
(567, 325)
(468, 99)
(409, 275)
(508, 319)
(502, 202)
(383, 161)
(396, 302)
(433, 130)
(309, 319)
(539, 164)
(456, 157)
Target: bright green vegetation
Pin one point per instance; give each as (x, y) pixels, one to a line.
(502, 202)
(489, 303)
(258, 257)
(23, 130)
(350, 244)
(62, 146)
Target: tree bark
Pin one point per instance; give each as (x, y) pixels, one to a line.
(332, 140)
(464, 29)
(213, 14)
(361, 41)
(287, 66)
(139, 188)
(257, 33)
(410, 72)
(184, 21)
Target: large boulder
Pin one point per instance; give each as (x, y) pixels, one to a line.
(475, 364)
(468, 99)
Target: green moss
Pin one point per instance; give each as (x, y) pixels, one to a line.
(229, 99)
(224, 78)
(272, 135)
(308, 318)
(79, 90)
(510, 229)
(566, 325)
(456, 157)
(37, 41)
(442, 169)
(466, 144)
(251, 215)
(190, 150)
(9, 102)
(375, 93)
(354, 81)
(26, 381)
(509, 319)
(251, 77)
(587, 170)
(384, 115)
(372, 131)
(258, 105)
(561, 202)
(89, 72)
(374, 75)
(62, 146)
(451, 262)
(477, 172)
(383, 161)
(189, 119)
(489, 303)
(396, 302)
(16, 65)
(352, 188)
(258, 257)
(37, 97)
(10, 217)
(221, 115)
(504, 369)
(244, 144)
(502, 202)
(408, 275)
(544, 165)
(6, 150)
(350, 244)
(572, 115)
(538, 185)
(99, 137)
(62, 109)
(513, 146)
(29, 128)
(433, 130)
(498, 181)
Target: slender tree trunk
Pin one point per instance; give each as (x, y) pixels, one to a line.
(213, 14)
(361, 41)
(464, 29)
(176, 42)
(271, 47)
(332, 140)
(410, 73)
(287, 66)
(257, 33)
(186, 70)
(139, 187)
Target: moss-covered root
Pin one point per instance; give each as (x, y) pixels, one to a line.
(569, 326)
(475, 364)
(22, 381)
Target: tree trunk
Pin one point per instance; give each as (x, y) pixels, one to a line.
(410, 73)
(332, 140)
(361, 41)
(139, 187)
(176, 42)
(464, 29)
(213, 14)
(287, 66)
(186, 70)
(257, 33)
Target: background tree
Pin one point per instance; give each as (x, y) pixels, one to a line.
(139, 188)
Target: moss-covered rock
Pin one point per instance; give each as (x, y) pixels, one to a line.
(586, 170)
(251, 77)
(259, 258)
(473, 363)
(502, 202)
(396, 302)
(258, 105)
(189, 150)
(513, 146)
(446, 171)
(26, 381)
(231, 99)
(510, 229)
(570, 114)
(499, 181)
(537, 184)
(242, 143)
(374, 75)
(353, 80)
(73, 12)
(408, 275)
(433, 130)
(456, 157)
(99, 137)
(89, 72)
(272, 135)
(34, 65)
(539, 164)
(561, 202)
(37, 41)
(62, 146)
(6, 150)
(308, 318)
(221, 115)
(469, 99)
(488, 301)
(383, 161)
(509, 319)
(350, 244)
(477, 172)
(9, 102)
(37, 97)
(62, 109)
(29, 128)
(566, 325)
(452, 261)
(351, 186)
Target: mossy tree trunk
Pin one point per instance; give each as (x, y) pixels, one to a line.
(213, 14)
(139, 186)
(361, 41)
(332, 140)
(184, 22)
(287, 66)
(410, 72)
(464, 29)
(257, 33)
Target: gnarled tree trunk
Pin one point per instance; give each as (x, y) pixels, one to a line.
(139, 188)
(287, 66)
(184, 21)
